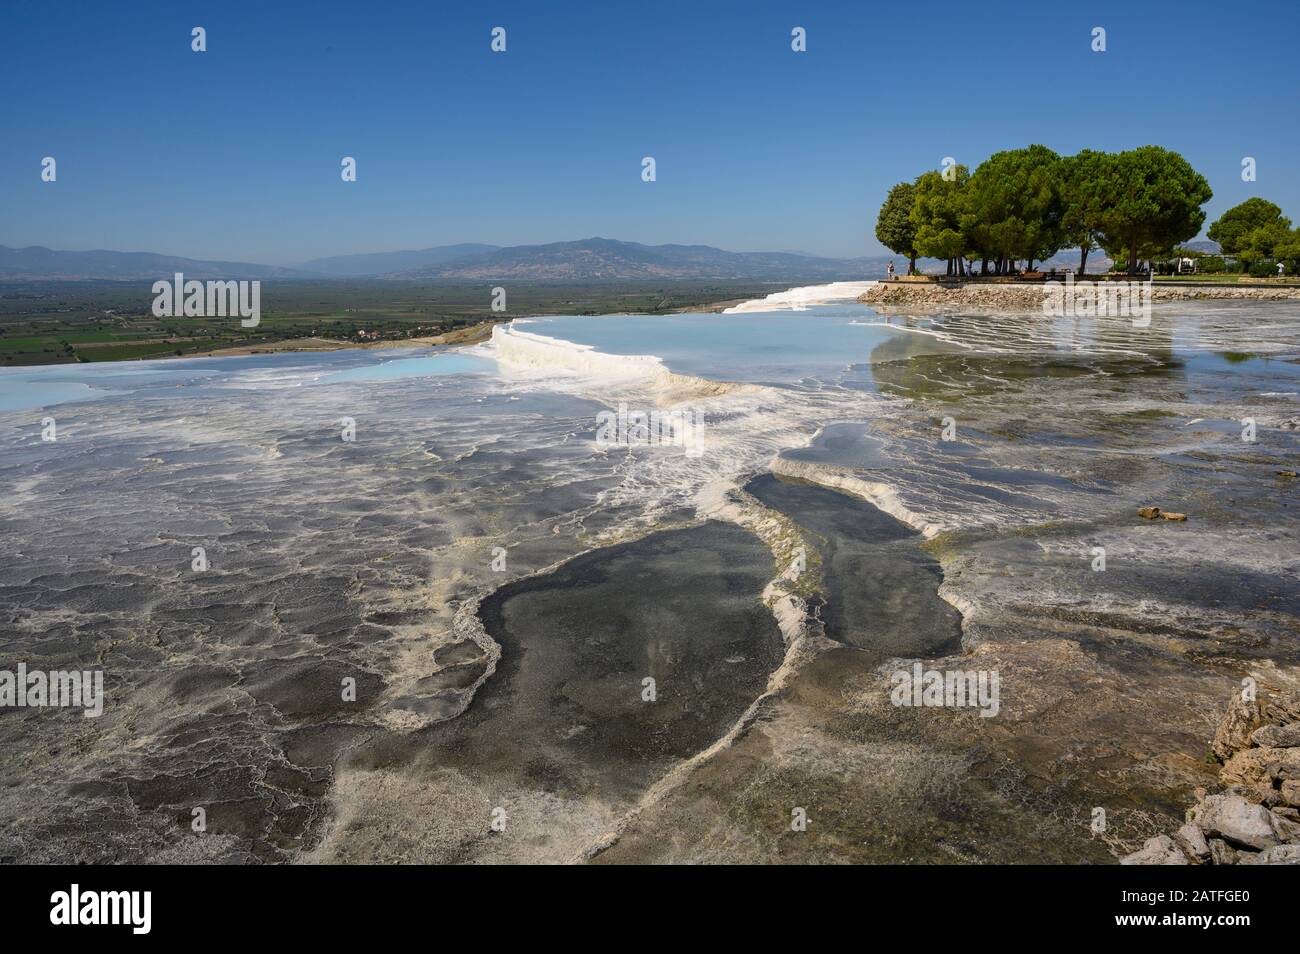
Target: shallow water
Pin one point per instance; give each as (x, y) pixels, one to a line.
(821, 342)
(881, 589)
(27, 388)
(333, 558)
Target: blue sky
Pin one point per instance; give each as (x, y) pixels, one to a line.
(234, 153)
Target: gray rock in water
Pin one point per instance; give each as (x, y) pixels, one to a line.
(1159, 850)
(1280, 855)
(1236, 820)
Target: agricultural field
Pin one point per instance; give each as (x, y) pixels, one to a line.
(67, 322)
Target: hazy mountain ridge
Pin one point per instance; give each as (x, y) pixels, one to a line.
(585, 260)
(594, 259)
(601, 259)
(382, 263)
(39, 262)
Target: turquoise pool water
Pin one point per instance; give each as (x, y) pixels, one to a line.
(757, 347)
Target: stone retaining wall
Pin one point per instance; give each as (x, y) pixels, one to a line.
(1033, 295)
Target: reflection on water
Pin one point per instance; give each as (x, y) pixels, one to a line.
(1003, 352)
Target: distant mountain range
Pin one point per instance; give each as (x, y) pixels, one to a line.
(601, 259)
(384, 263)
(587, 260)
(38, 262)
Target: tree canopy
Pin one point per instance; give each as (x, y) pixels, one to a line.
(1027, 204)
(894, 228)
(1154, 203)
(1083, 198)
(1013, 207)
(1252, 230)
(937, 213)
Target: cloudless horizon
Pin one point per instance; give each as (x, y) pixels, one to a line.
(235, 153)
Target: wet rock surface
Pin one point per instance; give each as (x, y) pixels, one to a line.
(880, 589)
(567, 733)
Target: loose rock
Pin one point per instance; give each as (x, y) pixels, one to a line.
(1290, 792)
(1221, 853)
(1281, 855)
(1237, 821)
(1193, 841)
(1277, 736)
(1155, 513)
(1255, 820)
(1159, 850)
(1282, 708)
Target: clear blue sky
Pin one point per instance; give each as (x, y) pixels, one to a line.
(234, 153)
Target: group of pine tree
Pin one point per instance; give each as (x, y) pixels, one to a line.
(1025, 205)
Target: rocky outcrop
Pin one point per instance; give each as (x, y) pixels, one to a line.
(1239, 721)
(1255, 820)
(1029, 295)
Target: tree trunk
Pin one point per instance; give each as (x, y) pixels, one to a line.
(911, 264)
(1133, 256)
(1083, 259)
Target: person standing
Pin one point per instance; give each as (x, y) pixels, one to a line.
(889, 271)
